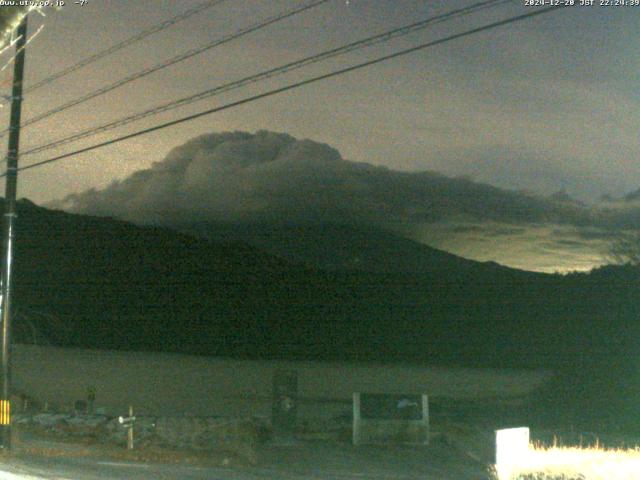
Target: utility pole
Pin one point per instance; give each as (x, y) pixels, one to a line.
(8, 235)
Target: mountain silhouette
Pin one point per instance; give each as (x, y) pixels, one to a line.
(92, 282)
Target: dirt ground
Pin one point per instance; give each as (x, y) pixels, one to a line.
(296, 460)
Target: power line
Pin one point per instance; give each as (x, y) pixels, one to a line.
(125, 43)
(293, 86)
(286, 68)
(172, 61)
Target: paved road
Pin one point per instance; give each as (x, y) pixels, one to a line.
(316, 461)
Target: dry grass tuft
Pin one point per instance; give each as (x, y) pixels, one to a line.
(574, 463)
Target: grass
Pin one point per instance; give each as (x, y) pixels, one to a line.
(573, 463)
(39, 442)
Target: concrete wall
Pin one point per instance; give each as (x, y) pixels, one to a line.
(170, 384)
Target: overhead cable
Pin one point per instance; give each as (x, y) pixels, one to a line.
(273, 72)
(295, 85)
(125, 43)
(172, 61)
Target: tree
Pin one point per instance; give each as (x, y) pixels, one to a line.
(625, 248)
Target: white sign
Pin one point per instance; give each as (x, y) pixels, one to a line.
(512, 448)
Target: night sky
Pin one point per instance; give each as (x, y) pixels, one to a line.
(547, 104)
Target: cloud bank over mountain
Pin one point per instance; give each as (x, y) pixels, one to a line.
(273, 177)
(269, 176)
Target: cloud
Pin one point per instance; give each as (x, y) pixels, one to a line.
(539, 247)
(273, 177)
(270, 176)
